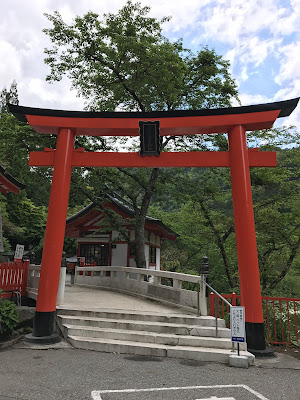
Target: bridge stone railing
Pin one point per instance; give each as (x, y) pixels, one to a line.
(33, 280)
(163, 286)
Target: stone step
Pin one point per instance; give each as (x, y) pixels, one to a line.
(155, 350)
(147, 337)
(149, 326)
(142, 316)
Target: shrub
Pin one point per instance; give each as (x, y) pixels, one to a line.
(9, 317)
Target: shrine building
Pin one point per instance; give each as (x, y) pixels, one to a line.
(8, 183)
(98, 244)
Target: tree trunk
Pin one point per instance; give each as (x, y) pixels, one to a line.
(220, 243)
(140, 257)
(285, 270)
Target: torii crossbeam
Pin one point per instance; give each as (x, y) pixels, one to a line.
(234, 121)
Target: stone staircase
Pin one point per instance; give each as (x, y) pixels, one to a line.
(147, 333)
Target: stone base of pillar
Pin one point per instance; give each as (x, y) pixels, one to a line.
(42, 340)
(43, 329)
(255, 337)
(267, 352)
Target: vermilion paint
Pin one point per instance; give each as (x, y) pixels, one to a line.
(165, 160)
(244, 226)
(56, 222)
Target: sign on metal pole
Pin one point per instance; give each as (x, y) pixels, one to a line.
(19, 252)
(237, 324)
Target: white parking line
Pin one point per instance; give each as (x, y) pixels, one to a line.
(218, 398)
(96, 394)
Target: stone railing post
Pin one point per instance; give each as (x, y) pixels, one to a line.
(139, 277)
(177, 284)
(203, 279)
(62, 282)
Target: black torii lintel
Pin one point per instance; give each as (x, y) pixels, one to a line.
(286, 107)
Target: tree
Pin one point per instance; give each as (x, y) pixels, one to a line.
(204, 219)
(24, 215)
(204, 214)
(123, 62)
(8, 97)
(277, 203)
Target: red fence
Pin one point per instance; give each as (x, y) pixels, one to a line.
(13, 277)
(281, 316)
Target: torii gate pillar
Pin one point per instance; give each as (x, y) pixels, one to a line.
(54, 240)
(246, 238)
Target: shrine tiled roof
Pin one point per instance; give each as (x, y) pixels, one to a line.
(125, 208)
(8, 183)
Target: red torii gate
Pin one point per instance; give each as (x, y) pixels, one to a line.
(235, 121)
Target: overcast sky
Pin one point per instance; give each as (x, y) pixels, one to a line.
(261, 38)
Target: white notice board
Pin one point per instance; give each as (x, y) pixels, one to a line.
(237, 324)
(19, 252)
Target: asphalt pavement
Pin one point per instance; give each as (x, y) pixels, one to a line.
(63, 372)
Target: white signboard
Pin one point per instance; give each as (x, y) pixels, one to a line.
(19, 252)
(237, 324)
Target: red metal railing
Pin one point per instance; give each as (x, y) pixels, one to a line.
(13, 278)
(281, 316)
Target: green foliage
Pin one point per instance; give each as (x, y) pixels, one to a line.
(29, 218)
(10, 96)
(123, 61)
(24, 215)
(70, 246)
(200, 210)
(9, 317)
(17, 140)
(282, 322)
(204, 220)
(276, 194)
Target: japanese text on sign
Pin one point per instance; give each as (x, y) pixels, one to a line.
(19, 252)
(237, 324)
